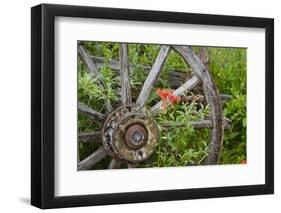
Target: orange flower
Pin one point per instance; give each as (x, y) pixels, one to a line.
(163, 94)
(174, 99)
(167, 97)
(243, 161)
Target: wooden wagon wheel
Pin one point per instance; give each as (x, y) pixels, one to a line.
(130, 133)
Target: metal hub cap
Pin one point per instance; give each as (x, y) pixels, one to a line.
(130, 134)
(135, 136)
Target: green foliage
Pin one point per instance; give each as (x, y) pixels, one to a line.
(228, 67)
(178, 146)
(235, 138)
(185, 145)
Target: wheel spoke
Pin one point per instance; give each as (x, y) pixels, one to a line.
(152, 76)
(94, 158)
(195, 124)
(90, 137)
(85, 57)
(114, 164)
(93, 114)
(188, 85)
(124, 74)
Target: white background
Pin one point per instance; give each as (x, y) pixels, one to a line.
(15, 106)
(70, 182)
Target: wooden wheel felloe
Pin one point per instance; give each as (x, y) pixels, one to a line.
(130, 133)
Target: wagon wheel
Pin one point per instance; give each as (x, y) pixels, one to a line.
(129, 133)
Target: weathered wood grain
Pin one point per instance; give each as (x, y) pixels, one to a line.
(86, 58)
(114, 164)
(196, 124)
(152, 76)
(93, 114)
(124, 75)
(204, 56)
(188, 85)
(91, 160)
(88, 137)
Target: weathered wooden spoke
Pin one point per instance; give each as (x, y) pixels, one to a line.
(93, 114)
(188, 85)
(124, 74)
(85, 57)
(91, 160)
(88, 137)
(114, 164)
(152, 76)
(195, 124)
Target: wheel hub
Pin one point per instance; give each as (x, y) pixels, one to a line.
(129, 133)
(135, 136)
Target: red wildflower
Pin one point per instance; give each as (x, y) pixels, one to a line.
(243, 161)
(167, 97)
(174, 99)
(163, 94)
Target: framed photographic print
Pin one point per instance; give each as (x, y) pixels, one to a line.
(139, 106)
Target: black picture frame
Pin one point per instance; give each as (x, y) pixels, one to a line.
(43, 102)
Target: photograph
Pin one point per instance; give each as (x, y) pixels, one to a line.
(139, 105)
(160, 105)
